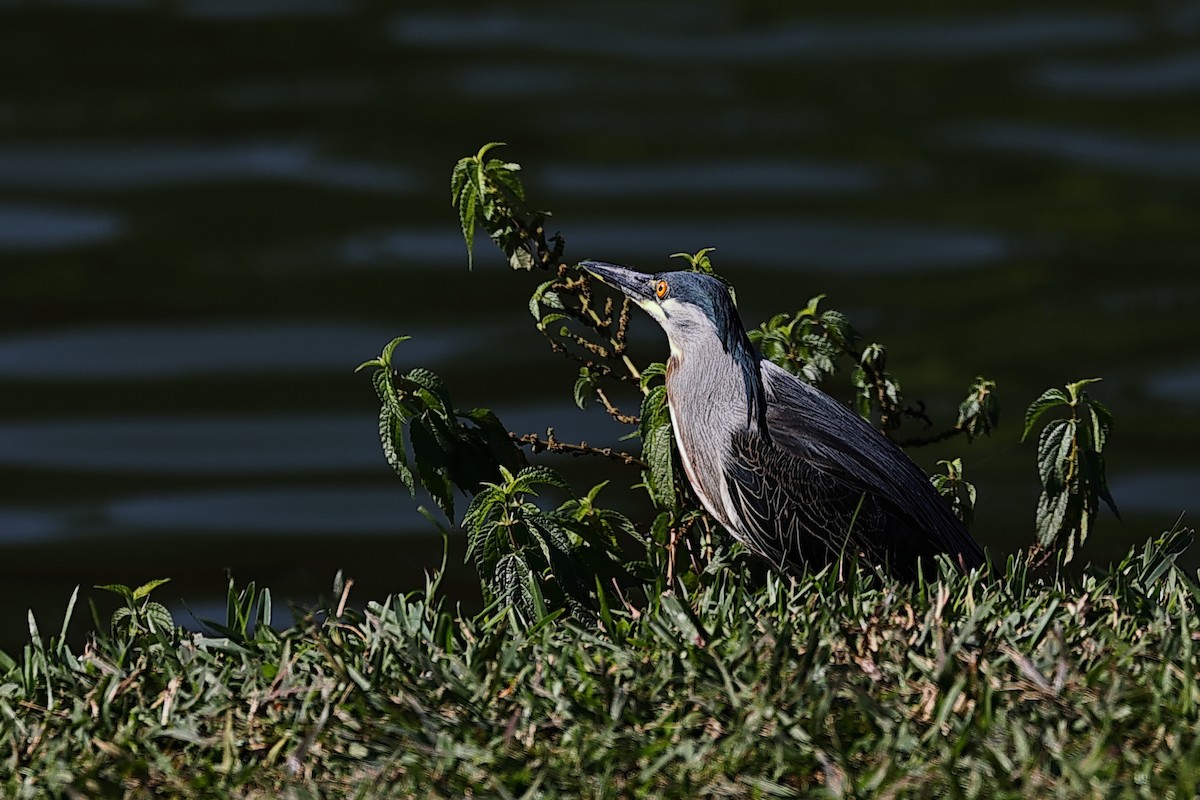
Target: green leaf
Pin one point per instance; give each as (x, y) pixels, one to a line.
(1051, 398)
(159, 618)
(535, 299)
(459, 177)
(1051, 512)
(698, 261)
(1093, 465)
(496, 440)
(430, 462)
(148, 587)
(657, 453)
(466, 220)
(656, 369)
(431, 382)
(117, 588)
(391, 437)
(505, 173)
(585, 387)
(1054, 449)
(655, 412)
(539, 475)
(1101, 423)
(122, 617)
(979, 413)
(1075, 390)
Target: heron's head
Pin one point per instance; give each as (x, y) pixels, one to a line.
(691, 307)
(698, 314)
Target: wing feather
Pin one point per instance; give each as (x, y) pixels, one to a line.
(824, 483)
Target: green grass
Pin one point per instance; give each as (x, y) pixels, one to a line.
(965, 686)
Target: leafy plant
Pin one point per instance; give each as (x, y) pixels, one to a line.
(1071, 466)
(809, 343)
(525, 554)
(140, 615)
(958, 492)
(450, 449)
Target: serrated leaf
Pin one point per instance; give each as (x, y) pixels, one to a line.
(1051, 512)
(459, 177)
(539, 475)
(1093, 465)
(657, 453)
(656, 369)
(158, 618)
(654, 411)
(584, 387)
(390, 348)
(535, 299)
(466, 220)
(385, 393)
(1049, 399)
(506, 175)
(116, 588)
(149, 586)
(121, 615)
(1075, 390)
(979, 413)
(487, 501)
(1054, 447)
(552, 318)
(391, 438)
(430, 461)
(1101, 423)
(431, 382)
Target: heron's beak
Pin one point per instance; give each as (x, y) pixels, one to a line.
(634, 284)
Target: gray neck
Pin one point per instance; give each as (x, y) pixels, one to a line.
(707, 394)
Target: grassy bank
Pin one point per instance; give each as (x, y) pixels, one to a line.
(961, 686)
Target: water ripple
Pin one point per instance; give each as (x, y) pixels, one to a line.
(172, 351)
(1161, 75)
(39, 228)
(236, 445)
(804, 40)
(833, 245)
(287, 512)
(744, 177)
(1179, 384)
(122, 167)
(1140, 154)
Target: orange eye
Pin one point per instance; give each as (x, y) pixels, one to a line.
(660, 289)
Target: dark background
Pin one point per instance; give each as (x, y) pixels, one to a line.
(212, 210)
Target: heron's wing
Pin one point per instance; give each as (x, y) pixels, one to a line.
(829, 476)
(794, 510)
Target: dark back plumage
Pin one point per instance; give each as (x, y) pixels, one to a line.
(836, 486)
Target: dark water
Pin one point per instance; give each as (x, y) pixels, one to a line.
(212, 210)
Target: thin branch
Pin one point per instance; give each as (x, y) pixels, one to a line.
(552, 445)
(614, 412)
